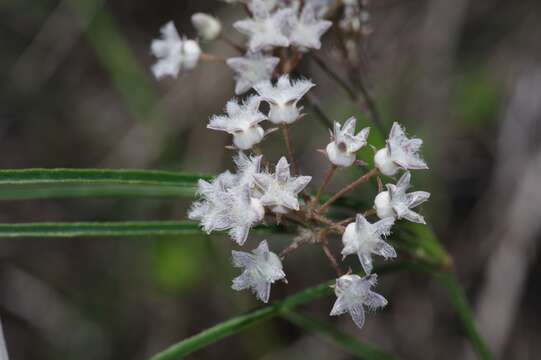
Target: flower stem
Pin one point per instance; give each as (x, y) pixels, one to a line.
(328, 176)
(289, 147)
(347, 189)
(331, 257)
(210, 58)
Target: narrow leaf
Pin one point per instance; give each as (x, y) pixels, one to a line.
(337, 337)
(52, 183)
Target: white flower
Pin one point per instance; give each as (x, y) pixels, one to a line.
(173, 53)
(395, 203)
(251, 69)
(261, 269)
(280, 189)
(400, 152)
(353, 292)
(207, 26)
(228, 202)
(283, 98)
(341, 150)
(364, 239)
(265, 30)
(307, 29)
(242, 121)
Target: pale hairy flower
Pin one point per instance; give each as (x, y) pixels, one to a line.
(228, 202)
(265, 29)
(280, 189)
(173, 53)
(262, 267)
(400, 152)
(364, 239)
(283, 98)
(241, 121)
(307, 29)
(396, 203)
(251, 69)
(341, 151)
(208, 27)
(353, 293)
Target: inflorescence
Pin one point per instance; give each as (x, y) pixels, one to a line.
(278, 34)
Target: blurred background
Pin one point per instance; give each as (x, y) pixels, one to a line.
(76, 91)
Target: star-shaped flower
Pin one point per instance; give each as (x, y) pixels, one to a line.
(364, 239)
(242, 121)
(396, 203)
(283, 98)
(261, 268)
(280, 189)
(400, 152)
(251, 69)
(307, 29)
(341, 150)
(229, 202)
(266, 29)
(353, 293)
(173, 53)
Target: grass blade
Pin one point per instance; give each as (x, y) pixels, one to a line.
(337, 337)
(57, 183)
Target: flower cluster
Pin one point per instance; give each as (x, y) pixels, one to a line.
(278, 33)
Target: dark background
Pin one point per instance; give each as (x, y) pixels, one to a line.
(76, 91)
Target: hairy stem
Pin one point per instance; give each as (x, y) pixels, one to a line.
(347, 189)
(328, 177)
(289, 147)
(331, 258)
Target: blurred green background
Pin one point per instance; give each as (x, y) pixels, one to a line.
(76, 91)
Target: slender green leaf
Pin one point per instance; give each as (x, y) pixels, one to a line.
(335, 336)
(242, 322)
(53, 183)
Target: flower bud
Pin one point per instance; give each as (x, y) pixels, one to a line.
(383, 206)
(190, 54)
(245, 139)
(339, 157)
(383, 162)
(208, 27)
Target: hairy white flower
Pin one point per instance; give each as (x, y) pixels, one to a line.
(280, 189)
(283, 98)
(266, 29)
(228, 202)
(261, 268)
(242, 121)
(364, 239)
(208, 27)
(251, 69)
(341, 150)
(353, 293)
(307, 29)
(400, 152)
(173, 53)
(396, 203)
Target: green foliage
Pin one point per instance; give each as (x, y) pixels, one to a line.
(56, 183)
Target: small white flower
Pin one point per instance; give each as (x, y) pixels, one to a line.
(341, 150)
(364, 239)
(265, 30)
(261, 268)
(208, 27)
(400, 152)
(242, 121)
(251, 69)
(280, 189)
(395, 203)
(307, 29)
(173, 53)
(228, 202)
(353, 293)
(283, 98)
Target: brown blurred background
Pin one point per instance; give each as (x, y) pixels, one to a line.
(76, 91)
